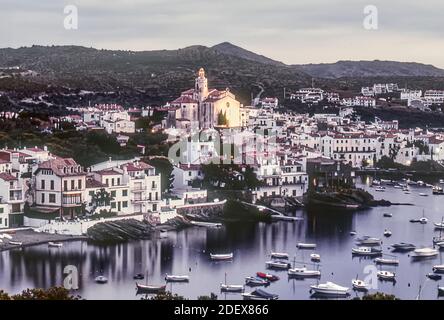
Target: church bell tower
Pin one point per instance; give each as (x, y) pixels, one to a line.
(201, 85)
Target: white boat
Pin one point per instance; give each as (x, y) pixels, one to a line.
(302, 245)
(259, 294)
(387, 233)
(441, 291)
(386, 275)
(439, 225)
(279, 255)
(423, 194)
(380, 189)
(376, 182)
(438, 239)
(231, 287)
(147, 288)
(369, 241)
(425, 252)
(277, 264)
(5, 236)
(359, 285)
(303, 272)
(353, 233)
(206, 224)
(423, 220)
(438, 268)
(366, 251)
(402, 246)
(101, 279)
(255, 281)
(386, 261)
(315, 257)
(55, 244)
(330, 288)
(175, 278)
(16, 243)
(226, 256)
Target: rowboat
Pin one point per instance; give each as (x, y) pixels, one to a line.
(359, 285)
(366, 251)
(259, 294)
(387, 233)
(303, 273)
(16, 243)
(254, 282)
(302, 245)
(101, 279)
(438, 268)
(388, 215)
(277, 265)
(386, 275)
(231, 287)
(55, 244)
(279, 255)
(330, 288)
(206, 224)
(434, 276)
(424, 253)
(394, 262)
(138, 276)
(439, 225)
(227, 256)
(380, 189)
(438, 239)
(267, 276)
(141, 288)
(174, 278)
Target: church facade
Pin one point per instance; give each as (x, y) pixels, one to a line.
(203, 108)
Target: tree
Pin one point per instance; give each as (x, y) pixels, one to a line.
(101, 198)
(167, 296)
(54, 293)
(222, 118)
(165, 168)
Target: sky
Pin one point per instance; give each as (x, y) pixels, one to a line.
(291, 31)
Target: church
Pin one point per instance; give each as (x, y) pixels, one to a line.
(203, 108)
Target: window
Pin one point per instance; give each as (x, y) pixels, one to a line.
(73, 185)
(124, 193)
(113, 205)
(2, 210)
(91, 193)
(52, 198)
(113, 194)
(112, 181)
(125, 204)
(52, 184)
(80, 183)
(43, 184)
(43, 198)
(65, 185)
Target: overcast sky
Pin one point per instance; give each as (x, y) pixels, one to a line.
(292, 31)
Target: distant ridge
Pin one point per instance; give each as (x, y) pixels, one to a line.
(231, 49)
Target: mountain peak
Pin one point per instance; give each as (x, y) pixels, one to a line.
(234, 50)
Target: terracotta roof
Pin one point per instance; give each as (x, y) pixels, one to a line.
(137, 166)
(108, 172)
(58, 166)
(7, 177)
(184, 99)
(91, 183)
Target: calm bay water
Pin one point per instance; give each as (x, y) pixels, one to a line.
(187, 252)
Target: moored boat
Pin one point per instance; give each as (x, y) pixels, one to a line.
(176, 278)
(302, 245)
(16, 243)
(254, 282)
(277, 264)
(386, 275)
(359, 285)
(138, 276)
(441, 291)
(369, 241)
(267, 276)
(259, 294)
(101, 279)
(434, 276)
(387, 215)
(279, 255)
(424, 253)
(225, 256)
(438, 268)
(387, 233)
(315, 257)
(394, 262)
(403, 246)
(330, 288)
(231, 287)
(146, 288)
(303, 273)
(366, 251)
(55, 244)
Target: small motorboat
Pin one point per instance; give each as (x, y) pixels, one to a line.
(5, 236)
(393, 262)
(315, 257)
(437, 191)
(386, 275)
(434, 276)
(369, 241)
(439, 225)
(387, 233)
(330, 288)
(267, 276)
(146, 288)
(16, 243)
(438, 268)
(423, 220)
(139, 276)
(397, 186)
(231, 288)
(414, 220)
(353, 233)
(440, 291)
(425, 253)
(55, 244)
(304, 273)
(422, 194)
(219, 257)
(259, 294)
(376, 182)
(359, 285)
(279, 255)
(277, 265)
(380, 189)
(175, 278)
(402, 246)
(387, 215)
(440, 245)
(366, 251)
(302, 245)
(438, 239)
(101, 279)
(255, 282)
